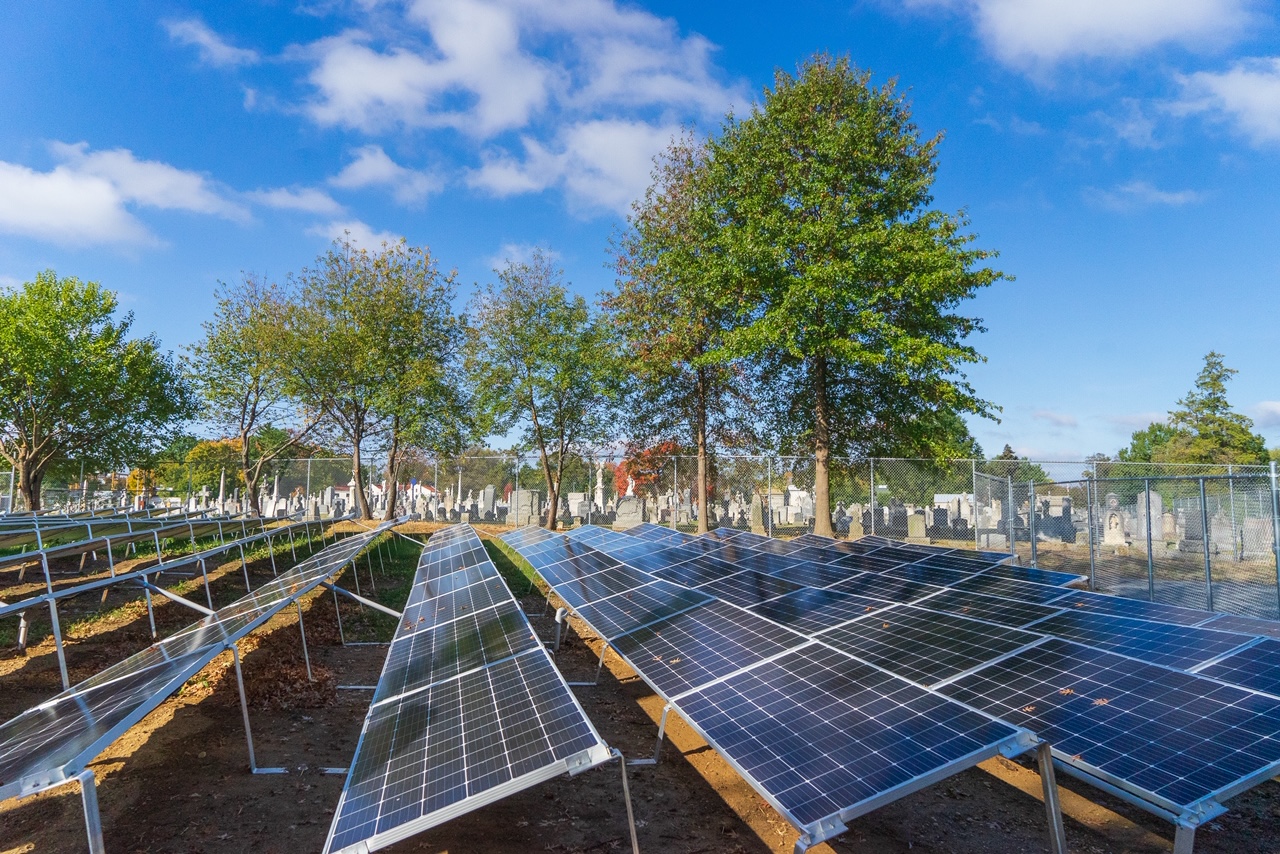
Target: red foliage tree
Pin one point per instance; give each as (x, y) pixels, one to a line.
(644, 465)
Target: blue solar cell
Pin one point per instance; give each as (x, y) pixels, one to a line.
(1118, 606)
(1256, 667)
(750, 588)
(1158, 643)
(811, 610)
(641, 606)
(822, 733)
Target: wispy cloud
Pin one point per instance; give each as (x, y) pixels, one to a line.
(1057, 419)
(89, 197)
(304, 199)
(1247, 96)
(213, 49)
(1033, 34)
(373, 168)
(519, 253)
(357, 232)
(1267, 413)
(1137, 194)
(1136, 420)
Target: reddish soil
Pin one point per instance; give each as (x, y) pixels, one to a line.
(179, 781)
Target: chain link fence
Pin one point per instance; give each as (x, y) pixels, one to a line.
(1194, 535)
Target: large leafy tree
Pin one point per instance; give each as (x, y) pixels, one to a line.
(671, 317)
(1205, 429)
(75, 386)
(373, 343)
(540, 359)
(846, 278)
(239, 368)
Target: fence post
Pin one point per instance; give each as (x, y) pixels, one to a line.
(1204, 534)
(1031, 519)
(977, 540)
(1151, 563)
(675, 490)
(873, 495)
(308, 489)
(1093, 566)
(1009, 516)
(13, 476)
(1275, 527)
(1237, 544)
(768, 496)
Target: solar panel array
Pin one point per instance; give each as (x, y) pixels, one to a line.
(54, 741)
(822, 736)
(469, 707)
(1131, 695)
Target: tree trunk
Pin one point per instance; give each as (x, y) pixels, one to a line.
(393, 470)
(29, 482)
(357, 471)
(821, 450)
(701, 439)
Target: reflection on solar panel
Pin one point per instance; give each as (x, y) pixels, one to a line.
(1182, 647)
(925, 647)
(821, 736)
(1179, 740)
(993, 609)
(54, 742)
(824, 737)
(1256, 666)
(469, 707)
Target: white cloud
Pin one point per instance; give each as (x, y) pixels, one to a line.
(1140, 194)
(149, 182)
(86, 199)
(1247, 95)
(1029, 33)
(1057, 419)
(488, 66)
(213, 49)
(1132, 124)
(373, 168)
(601, 164)
(359, 233)
(305, 199)
(1268, 413)
(1137, 420)
(519, 253)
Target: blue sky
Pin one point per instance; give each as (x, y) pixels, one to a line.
(1123, 156)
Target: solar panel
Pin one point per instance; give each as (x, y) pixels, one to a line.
(1256, 667)
(428, 756)
(1012, 589)
(886, 587)
(1172, 738)
(640, 606)
(700, 570)
(57, 739)
(469, 707)
(619, 579)
(993, 609)
(750, 588)
(1182, 647)
(691, 649)
(819, 734)
(927, 574)
(811, 610)
(1040, 576)
(924, 646)
(816, 574)
(1118, 606)
(1244, 625)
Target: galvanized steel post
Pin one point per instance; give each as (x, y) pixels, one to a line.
(1275, 526)
(1204, 538)
(1151, 564)
(1093, 566)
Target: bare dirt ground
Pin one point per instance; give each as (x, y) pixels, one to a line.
(179, 781)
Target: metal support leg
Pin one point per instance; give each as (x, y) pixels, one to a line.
(368, 561)
(271, 550)
(337, 613)
(626, 796)
(355, 576)
(657, 750)
(1052, 806)
(1184, 839)
(604, 647)
(151, 614)
(245, 566)
(244, 710)
(292, 550)
(57, 642)
(208, 594)
(306, 656)
(92, 817)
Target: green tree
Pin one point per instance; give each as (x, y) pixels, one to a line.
(239, 369)
(846, 279)
(1206, 429)
(671, 319)
(372, 343)
(74, 386)
(1148, 444)
(540, 359)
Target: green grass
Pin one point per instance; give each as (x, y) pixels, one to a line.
(516, 571)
